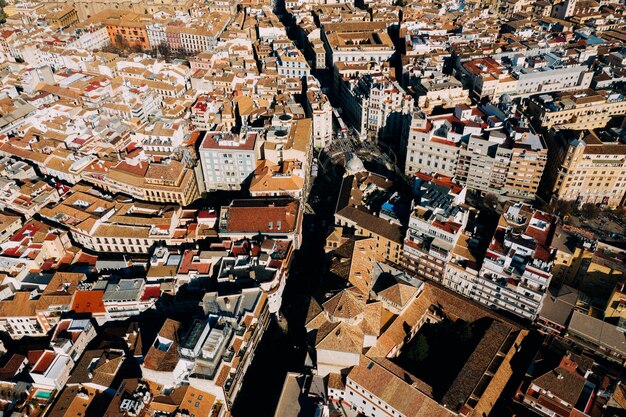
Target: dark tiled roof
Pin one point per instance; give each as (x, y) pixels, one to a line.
(10, 364)
(373, 223)
(562, 383)
(559, 304)
(98, 366)
(344, 193)
(476, 365)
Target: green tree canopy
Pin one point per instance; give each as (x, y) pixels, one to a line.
(419, 349)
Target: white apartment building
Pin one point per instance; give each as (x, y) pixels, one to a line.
(357, 42)
(217, 351)
(475, 148)
(588, 167)
(194, 40)
(378, 108)
(322, 114)
(440, 90)
(52, 370)
(126, 297)
(156, 34)
(461, 271)
(136, 101)
(228, 160)
(433, 144)
(516, 271)
(291, 63)
(491, 78)
(547, 80)
(317, 50)
(504, 163)
(577, 110)
(71, 337)
(160, 136)
(90, 38)
(435, 225)
(120, 227)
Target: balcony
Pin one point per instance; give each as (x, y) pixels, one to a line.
(439, 253)
(493, 265)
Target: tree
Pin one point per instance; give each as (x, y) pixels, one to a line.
(563, 208)
(419, 349)
(590, 211)
(465, 331)
(620, 213)
(112, 49)
(164, 51)
(491, 201)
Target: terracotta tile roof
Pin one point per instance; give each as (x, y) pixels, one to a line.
(88, 259)
(88, 302)
(394, 391)
(169, 172)
(264, 217)
(373, 320)
(138, 170)
(399, 293)
(222, 376)
(160, 360)
(346, 304)
(34, 355)
(483, 66)
(266, 180)
(70, 404)
(63, 283)
(151, 292)
(340, 337)
(97, 366)
(44, 362)
(196, 402)
(619, 395)
(336, 381)
(20, 306)
(220, 140)
(454, 305)
(313, 311)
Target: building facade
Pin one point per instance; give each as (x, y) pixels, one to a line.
(228, 160)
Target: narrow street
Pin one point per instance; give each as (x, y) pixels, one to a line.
(280, 352)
